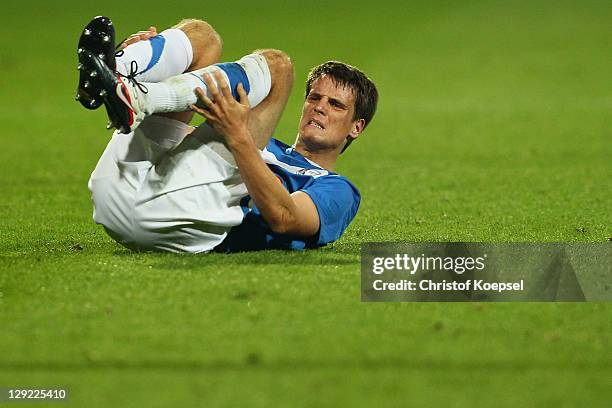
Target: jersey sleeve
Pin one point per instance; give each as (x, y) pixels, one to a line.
(337, 201)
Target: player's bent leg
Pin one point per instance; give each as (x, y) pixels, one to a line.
(206, 43)
(207, 47)
(268, 74)
(268, 78)
(191, 43)
(128, 101)
(266, 115)
(278, 72)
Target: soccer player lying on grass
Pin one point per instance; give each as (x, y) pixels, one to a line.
(225, 185)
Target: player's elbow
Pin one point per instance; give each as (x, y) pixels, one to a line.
(287, 223)
(279, 222)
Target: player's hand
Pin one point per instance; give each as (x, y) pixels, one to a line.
(229, 117)
(139, 36)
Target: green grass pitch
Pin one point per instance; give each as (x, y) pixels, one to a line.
(494, 125)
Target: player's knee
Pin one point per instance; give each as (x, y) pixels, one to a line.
(279, 63)
(199, 29)
(205, 42)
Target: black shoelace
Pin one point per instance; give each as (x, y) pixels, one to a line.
(131, 76)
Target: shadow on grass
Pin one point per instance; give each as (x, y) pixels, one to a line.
(318, 257)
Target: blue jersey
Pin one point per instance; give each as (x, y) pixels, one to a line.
(336, 199)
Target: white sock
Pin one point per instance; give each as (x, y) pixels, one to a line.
(161, 57)
(177, 94)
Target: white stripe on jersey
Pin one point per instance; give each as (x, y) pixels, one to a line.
(270, 158)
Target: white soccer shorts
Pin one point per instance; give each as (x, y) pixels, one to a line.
(164, 188)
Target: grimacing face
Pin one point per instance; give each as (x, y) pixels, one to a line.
(327, 116)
